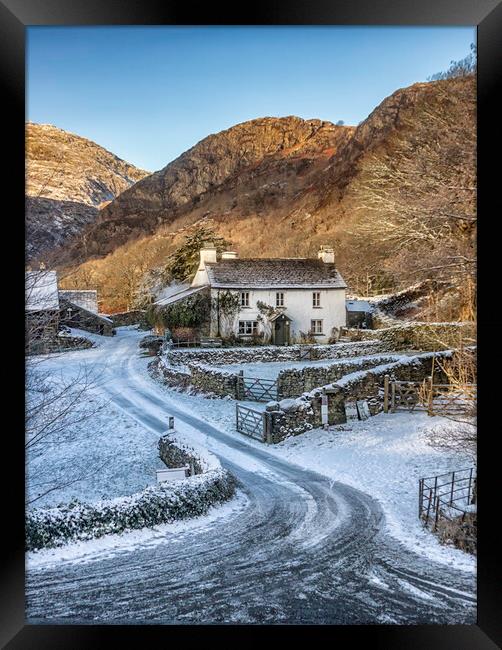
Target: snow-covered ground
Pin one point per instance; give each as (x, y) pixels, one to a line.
(114, 455)
(383, 456)
(111, 452)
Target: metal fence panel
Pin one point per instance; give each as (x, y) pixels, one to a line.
(446, 496)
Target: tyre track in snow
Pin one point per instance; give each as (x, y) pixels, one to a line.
(305, 549)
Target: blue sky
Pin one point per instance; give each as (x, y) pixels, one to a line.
(149, 93)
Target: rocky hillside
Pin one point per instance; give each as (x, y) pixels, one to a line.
(68, 180)
(249, 168)
(282, 186)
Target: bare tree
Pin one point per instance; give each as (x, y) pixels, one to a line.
(418, 201)
(55, 404)
(460, 370)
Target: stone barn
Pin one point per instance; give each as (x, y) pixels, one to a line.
(74, 315)
(41, 309)
(86, 298)
(359, 314)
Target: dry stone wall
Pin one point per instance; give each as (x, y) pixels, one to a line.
(295, 381)
(216, 381)
(173, 455)
(429, 336)
(416, 335)
(222, 356)
(135, 317)
(175, 377)
(293, 416)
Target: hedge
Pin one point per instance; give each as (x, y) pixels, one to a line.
(159, 504)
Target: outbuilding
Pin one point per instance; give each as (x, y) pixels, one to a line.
(359, 314)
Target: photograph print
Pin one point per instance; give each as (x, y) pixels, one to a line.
(250, 325)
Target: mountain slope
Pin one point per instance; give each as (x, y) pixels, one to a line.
(279, 187)
(269, 158)
(68, 179)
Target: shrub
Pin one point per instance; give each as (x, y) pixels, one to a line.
(184, 333)
(158, 504)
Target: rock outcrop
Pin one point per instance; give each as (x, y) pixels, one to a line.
(68, 179)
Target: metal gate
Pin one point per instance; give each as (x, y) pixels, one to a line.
(259, 390)
(249, 422)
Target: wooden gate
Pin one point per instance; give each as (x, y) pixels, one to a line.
(249, 422)
(436, 399)
(406, 395)
(448, 399)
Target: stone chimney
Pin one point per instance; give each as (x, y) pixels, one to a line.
(326, 254)
(229, 255)
(207, 253)
(207, 256)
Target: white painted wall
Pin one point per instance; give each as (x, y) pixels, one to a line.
(298, 306)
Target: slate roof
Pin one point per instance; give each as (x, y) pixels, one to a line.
(179, 295)
(64, 303)
(280, 273)
(358, 305)
(86, 298)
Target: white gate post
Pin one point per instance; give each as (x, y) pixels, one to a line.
(324, 409)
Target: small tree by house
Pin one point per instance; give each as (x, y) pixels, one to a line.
(182, 264)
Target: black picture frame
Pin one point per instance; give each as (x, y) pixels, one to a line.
(15, 15)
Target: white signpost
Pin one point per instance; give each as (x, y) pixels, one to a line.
(172, 474)
(324, 409)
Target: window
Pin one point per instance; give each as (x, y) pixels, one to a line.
(248, 327)
(316, 326)
(279, 299)
(244, 298)
(316, 299)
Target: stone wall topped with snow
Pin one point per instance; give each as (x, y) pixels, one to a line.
(429, 336)
(268, 353)
(215, 380)
(157, 504)
(293, 416)
(295, 381)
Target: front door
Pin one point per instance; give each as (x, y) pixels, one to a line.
(281, 332)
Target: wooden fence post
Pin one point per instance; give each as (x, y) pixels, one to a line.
(393, 397)
(386, 394)
(430, 397)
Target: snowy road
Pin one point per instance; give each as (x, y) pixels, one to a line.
(304, 549)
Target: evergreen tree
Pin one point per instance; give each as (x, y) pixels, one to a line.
(182, 264)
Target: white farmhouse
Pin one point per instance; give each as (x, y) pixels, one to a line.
(281, 299)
